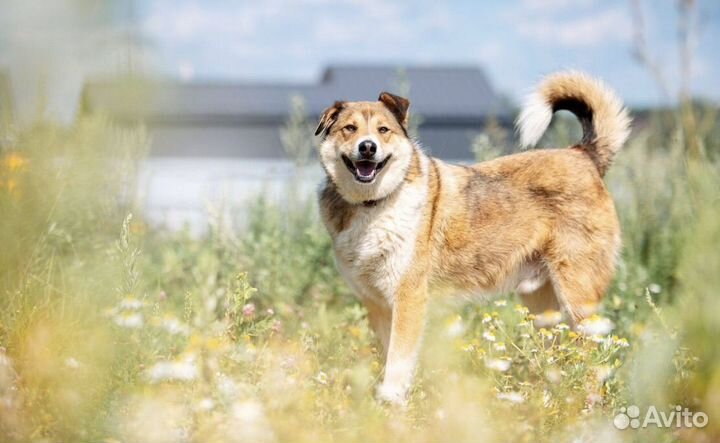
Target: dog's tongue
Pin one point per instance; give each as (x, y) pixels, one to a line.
(365, 168)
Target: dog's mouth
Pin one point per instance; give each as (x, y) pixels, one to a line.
(365, 171)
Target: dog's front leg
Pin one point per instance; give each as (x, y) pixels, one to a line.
(408, 322)
(380, 317)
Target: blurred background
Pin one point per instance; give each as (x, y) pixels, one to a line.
(165, 277)
(216, 81)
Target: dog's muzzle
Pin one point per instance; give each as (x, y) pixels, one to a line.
(364, 170)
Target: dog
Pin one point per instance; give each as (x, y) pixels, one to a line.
(403, 224)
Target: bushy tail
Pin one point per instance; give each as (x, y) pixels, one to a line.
(605, 122)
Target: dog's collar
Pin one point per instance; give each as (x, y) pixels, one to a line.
(370, 203)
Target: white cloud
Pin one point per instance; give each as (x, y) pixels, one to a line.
(491, 52)
(590, 30)
(255, 34)
(188, 20)
(554, 5)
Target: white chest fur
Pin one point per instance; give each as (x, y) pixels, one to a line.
(376, 250)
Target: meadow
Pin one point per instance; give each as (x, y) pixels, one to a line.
(112, 330)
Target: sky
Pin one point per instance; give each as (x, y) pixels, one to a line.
(50, 48)
(516, 42)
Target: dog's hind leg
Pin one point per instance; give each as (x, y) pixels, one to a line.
(540, 300)
(580, 279)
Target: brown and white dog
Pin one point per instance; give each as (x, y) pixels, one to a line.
(540, 223)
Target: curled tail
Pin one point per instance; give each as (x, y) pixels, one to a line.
(605, 122)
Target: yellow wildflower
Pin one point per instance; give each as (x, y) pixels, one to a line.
(214, 343)
(355, 331)
(466, 347)
(521, 309)
(14, 161)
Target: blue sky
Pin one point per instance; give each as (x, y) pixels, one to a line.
(515, 41)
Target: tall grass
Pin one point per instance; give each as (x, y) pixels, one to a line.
(111, 330)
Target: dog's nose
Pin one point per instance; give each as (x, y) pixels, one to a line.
(367, 148)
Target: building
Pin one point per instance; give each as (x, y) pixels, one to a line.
(244, 119)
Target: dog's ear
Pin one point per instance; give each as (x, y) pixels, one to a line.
(397, 105)
(328, 117)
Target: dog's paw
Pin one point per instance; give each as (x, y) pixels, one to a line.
(392, 394)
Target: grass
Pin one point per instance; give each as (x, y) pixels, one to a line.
(111, 330)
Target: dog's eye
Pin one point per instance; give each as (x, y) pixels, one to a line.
(383, 129)
(350, 128)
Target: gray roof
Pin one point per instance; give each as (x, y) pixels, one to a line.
(437, 93)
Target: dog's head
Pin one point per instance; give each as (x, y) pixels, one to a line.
(366, 150)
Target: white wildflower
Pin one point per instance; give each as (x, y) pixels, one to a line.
(501, 302)
(554, 375)
(321, 378)
(131, 303)
(248, 411)
(179, 370)
(249, 423)
(205, 404)
(72, 363)
(593, 398)
(654, 288)
(513, 397)
(548, 319)
(498, 364)
(596, 326)
(174, 326)
(129, 320)
(499, 346)
(545, 333)
(153, 419)
(210, 303)
(455, 327)
(621, 342)
(603, 372)
(489, 336)
(520, 309)
(226, 386)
